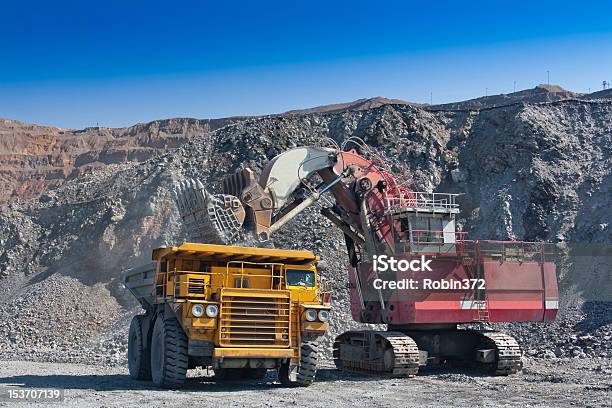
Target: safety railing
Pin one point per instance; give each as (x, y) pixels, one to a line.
(506, 251)
(416, 200)
(436, 236)
(276, 275)
(437, 241)
(185, 283)
(324, 291)
(180, 283)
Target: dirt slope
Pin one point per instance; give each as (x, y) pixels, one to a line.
(358, 105)
(539, 94)
(603, 94)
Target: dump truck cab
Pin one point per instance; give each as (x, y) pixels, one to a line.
(238, 310)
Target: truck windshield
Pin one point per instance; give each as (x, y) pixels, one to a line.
(300, 277)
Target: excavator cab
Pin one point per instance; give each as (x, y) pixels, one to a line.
(425, 222)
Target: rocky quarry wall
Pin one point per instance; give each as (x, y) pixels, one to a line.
(36, 158)
(528, 171)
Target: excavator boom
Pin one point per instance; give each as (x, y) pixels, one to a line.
(264, 204)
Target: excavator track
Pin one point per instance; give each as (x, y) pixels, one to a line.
(508, 352)
(393, 354)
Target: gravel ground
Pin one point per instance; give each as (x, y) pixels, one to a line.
(544, 383)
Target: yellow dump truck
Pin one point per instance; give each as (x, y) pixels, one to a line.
(238, 310)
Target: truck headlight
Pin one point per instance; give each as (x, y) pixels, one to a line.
(311, 315)
(197, 310)
(323, 315)
(212, 310)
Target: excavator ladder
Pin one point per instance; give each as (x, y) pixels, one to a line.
(482, 311)
(480, 297)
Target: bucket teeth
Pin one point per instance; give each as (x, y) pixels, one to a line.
(208, 218)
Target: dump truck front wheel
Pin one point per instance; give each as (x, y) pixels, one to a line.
(139, 354)
(168, 353)
(304, 374)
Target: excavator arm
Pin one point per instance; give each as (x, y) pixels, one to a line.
(288, 184)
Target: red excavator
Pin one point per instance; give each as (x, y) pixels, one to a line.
(388, 226)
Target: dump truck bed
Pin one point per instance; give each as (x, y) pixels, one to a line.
(141, 281)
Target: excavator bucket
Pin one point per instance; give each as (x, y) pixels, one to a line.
(209, 218)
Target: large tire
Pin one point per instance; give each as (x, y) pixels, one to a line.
(306, 370)
(168, 353)
(139, 352)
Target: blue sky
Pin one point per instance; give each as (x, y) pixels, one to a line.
(78, 63)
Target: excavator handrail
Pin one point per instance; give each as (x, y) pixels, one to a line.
(422, 200)
(507, 250)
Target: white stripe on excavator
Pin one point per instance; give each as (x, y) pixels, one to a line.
(551, 304)
(476, 304)
(472, 304)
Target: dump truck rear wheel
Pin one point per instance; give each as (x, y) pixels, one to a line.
(168, 353)
(139, 354)
(306, 370)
